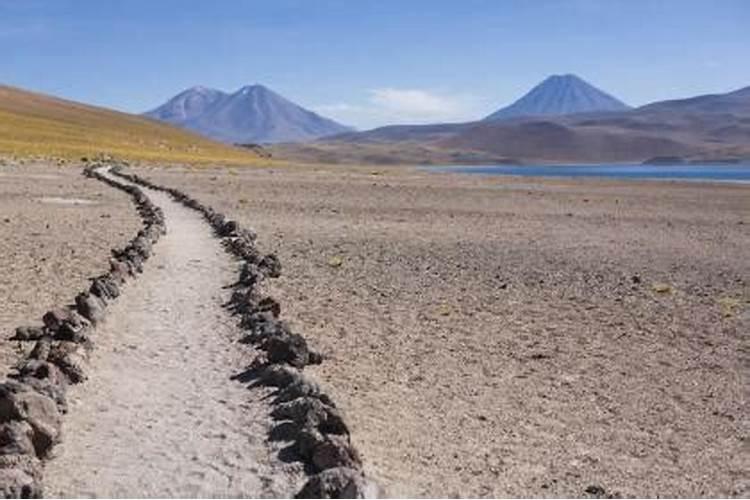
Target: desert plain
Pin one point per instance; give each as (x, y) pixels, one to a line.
(485, 336)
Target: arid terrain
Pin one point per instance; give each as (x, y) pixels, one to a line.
(385, 249)
(57, 230)
(515, 337)
(485, 336)
(164, 359)
(163, 369)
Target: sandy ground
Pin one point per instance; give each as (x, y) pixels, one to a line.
(516, 337)
(56, 231)
(160, 416)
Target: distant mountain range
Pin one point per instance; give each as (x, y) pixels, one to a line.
(562, 119)
(560, 95)
(595, 127)
(253, 114)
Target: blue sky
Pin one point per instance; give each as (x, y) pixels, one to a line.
(368, 63)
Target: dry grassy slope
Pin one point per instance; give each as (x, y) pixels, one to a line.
(38, 125)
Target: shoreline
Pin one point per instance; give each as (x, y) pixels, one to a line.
(514, 172)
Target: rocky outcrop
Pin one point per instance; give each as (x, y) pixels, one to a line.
(305, 414)
(32, 399)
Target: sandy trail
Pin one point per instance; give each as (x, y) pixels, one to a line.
(160, 416)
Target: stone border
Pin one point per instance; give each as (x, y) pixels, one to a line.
(305, 414)
(32, 400)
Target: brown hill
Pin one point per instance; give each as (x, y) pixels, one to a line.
(710, 127)
(551, 141)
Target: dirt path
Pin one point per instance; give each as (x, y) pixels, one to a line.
(160, 416)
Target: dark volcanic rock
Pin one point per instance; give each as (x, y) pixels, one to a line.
(70, 358)
(67, 324)
(264, 325)
(250, 274)
(105, 288)
(244, 300)
(41, 349)
(229, 228)
(335, 451)
(279, 375)
(20, 476)
(270, 266)
(45, 378)
(55, 318)
(48, 387)
(308, 411)
(18, 401)
(29, 333)
(78, 333)
(303, 388)
(119, 270)
(339, 482)
(42, 370)
(291, 349)
(247, 234)
(15, 438)
(90, 307)
(142, 245)
(307, 439)
(270, 305)
(596, 491)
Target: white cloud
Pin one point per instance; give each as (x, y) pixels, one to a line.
(414, 102)
(337, 108)
(388, 106)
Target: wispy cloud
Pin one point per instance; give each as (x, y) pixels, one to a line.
(414, 102)
(389, 105)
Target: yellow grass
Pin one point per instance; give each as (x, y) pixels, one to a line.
(34, 125)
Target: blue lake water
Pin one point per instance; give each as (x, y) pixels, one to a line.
(724, 173)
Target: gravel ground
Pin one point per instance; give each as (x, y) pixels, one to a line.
(56, 230)
(516, 337)
(160, 416)
(488, 337)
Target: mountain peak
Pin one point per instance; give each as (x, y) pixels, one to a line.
(249, 89)
(198, 90)
(565, 76)
(186, 105)
(252, 114)
(560, 95)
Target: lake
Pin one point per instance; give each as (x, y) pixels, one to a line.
(723, 173)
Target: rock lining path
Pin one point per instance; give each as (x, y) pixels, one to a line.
(159, 415)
